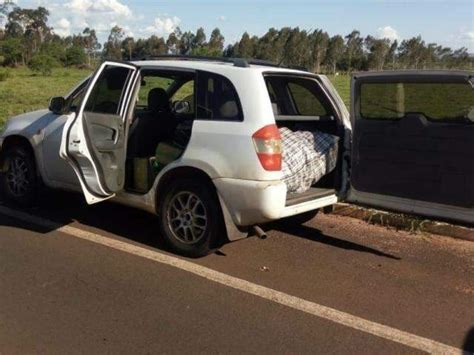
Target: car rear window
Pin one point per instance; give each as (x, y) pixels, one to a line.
(436, 101)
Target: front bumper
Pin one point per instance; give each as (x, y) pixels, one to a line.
(254, 202)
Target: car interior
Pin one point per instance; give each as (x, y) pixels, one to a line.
(161, 127)
(299, 104)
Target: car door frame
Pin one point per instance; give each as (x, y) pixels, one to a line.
(400, 204)
(93, 181)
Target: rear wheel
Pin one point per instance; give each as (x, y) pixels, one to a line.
(190, 217)
(19, 181)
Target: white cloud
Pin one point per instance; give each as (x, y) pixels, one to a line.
(3, 21)
(69, 17)
(63, 27)
(466, 39)
(163, 25)
(388, 32)
(222, 18)
(128, 31)
(72, 16)
(103, 7)
(469, 35)
(463, 37)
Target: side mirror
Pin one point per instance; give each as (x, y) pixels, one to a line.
(57, 105)
(181, 107)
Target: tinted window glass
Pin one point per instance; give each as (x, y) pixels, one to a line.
(436, 101)
(150, 82)
(177, 90)
(185, 94)
(217, 98)
(108, 90)
(297, 96)
(276, 105)
(305, 98)
(75, 99)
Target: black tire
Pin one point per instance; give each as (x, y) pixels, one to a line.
(186, 232)
(19, 181)
(300, 219)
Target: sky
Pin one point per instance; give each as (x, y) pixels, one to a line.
(447, 22)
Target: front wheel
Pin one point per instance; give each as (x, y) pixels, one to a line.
(190, 217)
(19, 181)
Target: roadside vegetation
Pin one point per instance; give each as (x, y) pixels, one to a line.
(22, 90)
(27, 39)
(36, 63)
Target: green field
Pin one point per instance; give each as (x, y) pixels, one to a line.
(343, 87)
(22, 91)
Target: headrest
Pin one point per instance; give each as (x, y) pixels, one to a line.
(158, 100)
(229, 110)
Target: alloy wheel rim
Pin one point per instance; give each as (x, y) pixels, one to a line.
(17, 176)
(187, 217)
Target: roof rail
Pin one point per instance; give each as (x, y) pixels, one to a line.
(238, 62)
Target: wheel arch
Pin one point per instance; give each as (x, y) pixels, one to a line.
(181, 172)
(231, 230)
(16, 141)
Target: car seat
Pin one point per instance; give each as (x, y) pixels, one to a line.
(154, 126)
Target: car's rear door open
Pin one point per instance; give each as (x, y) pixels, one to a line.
(413, 142)
(94, 140)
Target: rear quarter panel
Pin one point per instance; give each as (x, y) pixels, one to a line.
(225, 149)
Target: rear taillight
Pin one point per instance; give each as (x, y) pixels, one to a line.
(267, 141)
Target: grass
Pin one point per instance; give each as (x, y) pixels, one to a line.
(342, 84)
(23, 91)
(436, 101)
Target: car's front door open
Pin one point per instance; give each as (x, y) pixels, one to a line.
(94, 141)
(413, 139)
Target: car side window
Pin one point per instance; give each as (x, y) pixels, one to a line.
(438, 102)
(305, 99)
(151, 82)
(297, 96)
(166, 88)
(185, 94)
(217, 98)
(106, 96)
(76, 101)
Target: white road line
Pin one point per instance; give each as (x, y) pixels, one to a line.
(333, 315)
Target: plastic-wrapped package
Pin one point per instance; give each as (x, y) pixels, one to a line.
(307, 157)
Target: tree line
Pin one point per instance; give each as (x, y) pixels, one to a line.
(28, 40)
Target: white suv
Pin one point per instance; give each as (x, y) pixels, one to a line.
(215, 124)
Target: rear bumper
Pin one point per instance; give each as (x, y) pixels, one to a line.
(253, 202)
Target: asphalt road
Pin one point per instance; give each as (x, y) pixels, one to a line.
(60, 293)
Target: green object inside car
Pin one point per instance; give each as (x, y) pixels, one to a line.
(165, 154)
